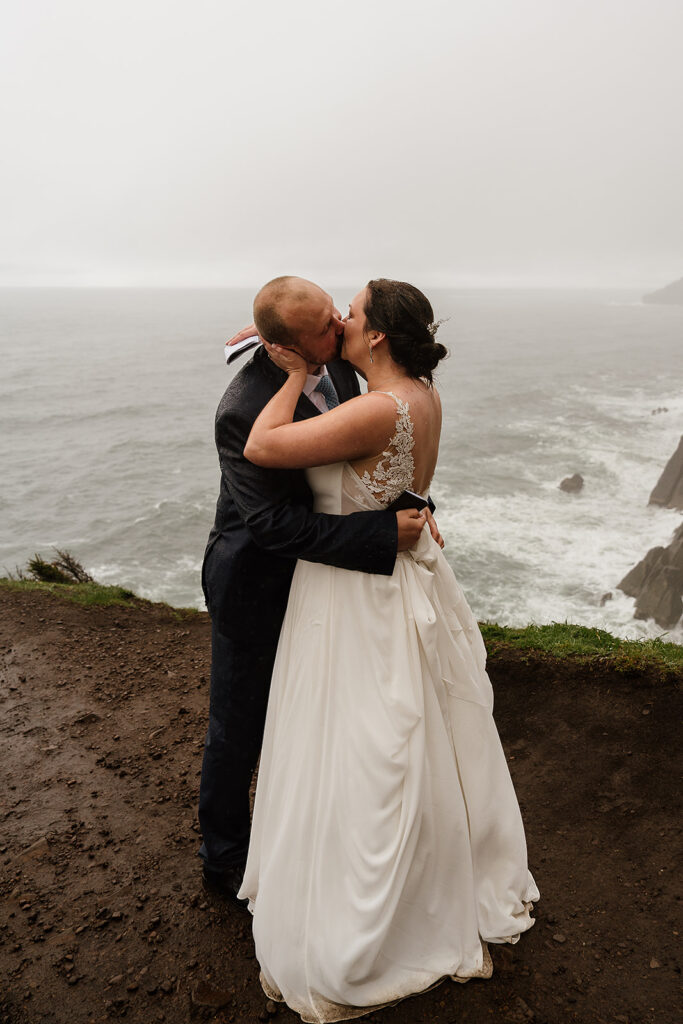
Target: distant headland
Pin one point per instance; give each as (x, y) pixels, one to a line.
(671, 295)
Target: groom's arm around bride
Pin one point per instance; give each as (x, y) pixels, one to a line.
(264, 522)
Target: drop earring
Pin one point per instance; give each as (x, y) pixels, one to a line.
(370, 351)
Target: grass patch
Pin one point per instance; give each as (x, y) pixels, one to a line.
(85, 594)
(96, 594)
(563, 640)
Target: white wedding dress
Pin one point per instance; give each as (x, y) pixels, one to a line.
(387, 846)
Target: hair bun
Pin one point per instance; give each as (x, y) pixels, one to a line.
(405, 315)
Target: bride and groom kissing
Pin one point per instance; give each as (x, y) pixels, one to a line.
(386, 848)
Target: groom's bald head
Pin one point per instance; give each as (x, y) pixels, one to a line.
(287, 307)
(297, 314)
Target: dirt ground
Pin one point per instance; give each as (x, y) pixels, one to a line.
(103, 914)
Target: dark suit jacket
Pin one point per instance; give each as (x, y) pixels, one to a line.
(264, 518)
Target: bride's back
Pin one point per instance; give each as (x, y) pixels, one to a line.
(408, 460)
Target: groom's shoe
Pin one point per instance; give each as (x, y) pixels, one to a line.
(225, 883)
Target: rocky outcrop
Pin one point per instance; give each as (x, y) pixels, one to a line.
(668, 490)
(572, 484)
(656, 582)
(672, 295)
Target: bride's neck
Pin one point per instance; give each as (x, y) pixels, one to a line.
(384, 375)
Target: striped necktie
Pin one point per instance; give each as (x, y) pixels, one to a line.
(327, 390)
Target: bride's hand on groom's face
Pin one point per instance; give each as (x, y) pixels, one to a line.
(286, 358)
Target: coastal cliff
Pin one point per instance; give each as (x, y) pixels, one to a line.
(668, 491)
(105, 916)
(656, 582)
(671, 295)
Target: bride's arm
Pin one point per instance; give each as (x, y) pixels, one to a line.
(356, 429)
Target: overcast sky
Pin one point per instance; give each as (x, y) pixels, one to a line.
(446, 141)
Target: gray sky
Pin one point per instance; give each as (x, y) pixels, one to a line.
(448, 142)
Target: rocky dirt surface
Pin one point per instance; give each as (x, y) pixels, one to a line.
(103, 914)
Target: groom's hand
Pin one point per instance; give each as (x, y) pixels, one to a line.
(410, 524)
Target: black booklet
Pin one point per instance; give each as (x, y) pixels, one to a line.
(409, 499)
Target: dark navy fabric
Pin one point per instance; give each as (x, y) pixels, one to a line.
(264, 522)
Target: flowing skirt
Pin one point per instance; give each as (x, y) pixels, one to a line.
(387, 845)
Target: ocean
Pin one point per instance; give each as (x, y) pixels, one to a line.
(106, 439)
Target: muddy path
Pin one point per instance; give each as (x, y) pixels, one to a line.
(102, 718)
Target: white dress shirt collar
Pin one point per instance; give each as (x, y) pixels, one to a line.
(312, 381)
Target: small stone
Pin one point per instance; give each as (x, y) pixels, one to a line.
(204, 994)
(654, 963)
(116, 979)
(271, 1007)
(36, 850)
(166, 986)
(524, 1009)
(132, 986)
(559, 937)
(572, 484)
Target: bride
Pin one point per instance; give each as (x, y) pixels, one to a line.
(387, 846)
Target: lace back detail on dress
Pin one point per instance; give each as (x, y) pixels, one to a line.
(395, 468)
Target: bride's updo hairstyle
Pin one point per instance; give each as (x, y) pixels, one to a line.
(405, 315)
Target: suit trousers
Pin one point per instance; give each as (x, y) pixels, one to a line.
(240, 681)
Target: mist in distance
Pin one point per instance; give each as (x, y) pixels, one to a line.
(502, 143)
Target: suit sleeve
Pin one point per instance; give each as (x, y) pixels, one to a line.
(362, 541)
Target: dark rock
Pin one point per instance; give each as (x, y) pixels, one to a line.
(605, 598)
(656, 582)
(668, 490)
(671, 295)
(572, 484)
(634, 580)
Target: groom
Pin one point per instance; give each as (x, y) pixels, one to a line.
(264, 522)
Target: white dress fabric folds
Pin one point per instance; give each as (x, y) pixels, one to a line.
(387, 845)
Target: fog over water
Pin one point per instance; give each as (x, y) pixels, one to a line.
(450, 142)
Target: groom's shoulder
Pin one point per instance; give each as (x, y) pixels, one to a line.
(251, 387)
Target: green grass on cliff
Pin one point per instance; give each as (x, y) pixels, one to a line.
(559, 640)
(85, 594)
(93, 594)
(563, 640)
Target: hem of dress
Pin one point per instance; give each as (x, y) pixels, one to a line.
(342, 1011)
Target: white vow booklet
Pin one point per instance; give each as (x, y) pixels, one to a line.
(233, 351)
